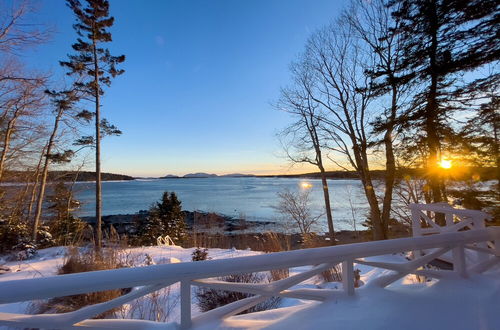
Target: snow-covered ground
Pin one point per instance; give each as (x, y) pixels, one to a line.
(471, 303)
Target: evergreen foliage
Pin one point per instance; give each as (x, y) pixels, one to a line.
(165, 218)
(65, 228)
(443, 40)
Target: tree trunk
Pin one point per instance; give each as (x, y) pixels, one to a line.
(98, 194)
(35, 183)
(364, 173)
(431, 125)
(43, 181)
(6, 141)
(390, 165)
(328, 209)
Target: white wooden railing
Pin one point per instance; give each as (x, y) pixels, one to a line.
(145, 280)
(424, 219)
(424, 222)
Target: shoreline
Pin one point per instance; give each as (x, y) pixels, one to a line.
(196, 221)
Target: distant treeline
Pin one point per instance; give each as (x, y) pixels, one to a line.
(22, 176)
(457, 173)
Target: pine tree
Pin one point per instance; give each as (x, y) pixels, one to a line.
(165, 218)
(443, 39)
(169, 212)
(95, 67)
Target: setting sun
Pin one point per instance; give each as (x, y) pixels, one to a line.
(445, 163)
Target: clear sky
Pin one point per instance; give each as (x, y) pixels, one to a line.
(200, 80)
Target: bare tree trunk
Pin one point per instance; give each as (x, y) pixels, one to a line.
(45, 171)
(328, 209)
(35, 182)
(6, 140)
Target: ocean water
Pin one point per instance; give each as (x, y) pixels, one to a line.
(248, 197)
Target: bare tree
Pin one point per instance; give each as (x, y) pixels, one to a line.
(373, 23)
(336, 92)
(342, 89)
(20, 99)
(17, 32)
(296, 207)
(64, 104)
(301, 140)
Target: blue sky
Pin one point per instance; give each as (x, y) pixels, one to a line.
(200, 80)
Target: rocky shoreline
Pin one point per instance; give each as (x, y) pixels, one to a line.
(196, 221)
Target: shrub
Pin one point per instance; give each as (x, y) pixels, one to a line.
(15, 237)
(67, 231)
(199, 254)
(78, 262)
(333, 274)
(13, 232)
(209, 299)
(65, 228)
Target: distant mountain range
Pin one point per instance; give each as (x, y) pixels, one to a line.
(206, 175)
(484, 173)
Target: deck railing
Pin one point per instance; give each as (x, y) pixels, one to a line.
(145, 280)
(424, 222)
(424, 219)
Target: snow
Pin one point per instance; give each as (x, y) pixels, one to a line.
(453, 303)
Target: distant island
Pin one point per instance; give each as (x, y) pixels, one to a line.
(206, 175)
(66, 176)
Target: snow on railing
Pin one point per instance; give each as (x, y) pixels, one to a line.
(424, 221)
(146, 280)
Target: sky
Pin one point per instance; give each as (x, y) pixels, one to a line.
(200, 82)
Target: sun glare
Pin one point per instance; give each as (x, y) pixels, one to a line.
(445, 163)
(306, 185)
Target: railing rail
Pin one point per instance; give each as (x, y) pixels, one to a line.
(145, 280)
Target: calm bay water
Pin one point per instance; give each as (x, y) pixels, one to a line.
(252, 198)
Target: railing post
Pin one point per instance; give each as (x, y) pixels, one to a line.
(348, 277)
(449, 218)
(459, 265)
(185, 304)
(416, 227)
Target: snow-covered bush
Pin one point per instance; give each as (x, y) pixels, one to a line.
(24, 250)
(209, 299)
(15, 236)
(44, 238)
(199, 254)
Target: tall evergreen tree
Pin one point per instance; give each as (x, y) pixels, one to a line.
(95, 67)
(165, 218)
(443, 40)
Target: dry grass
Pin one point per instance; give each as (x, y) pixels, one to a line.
(209, 299)
(333, 274)
(77, 262)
